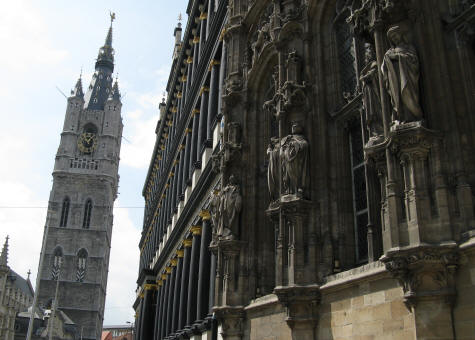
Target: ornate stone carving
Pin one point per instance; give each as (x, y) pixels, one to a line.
(263, 34)
(273, 152)
(225, 209)
(294, 158)
(231, 203)
(424, 273)
(401, 76)
(371, 95)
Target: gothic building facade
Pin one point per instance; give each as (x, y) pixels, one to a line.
(80, 216)
(313, 174)
(16, 295)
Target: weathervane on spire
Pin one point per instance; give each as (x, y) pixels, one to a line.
(112, 14)
(180, 18)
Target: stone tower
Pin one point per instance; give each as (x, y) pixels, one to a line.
(85, 181)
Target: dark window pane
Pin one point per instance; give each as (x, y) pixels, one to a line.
(361, 234)
(359, 188)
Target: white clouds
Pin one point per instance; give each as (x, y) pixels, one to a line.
(123, 269)
(23, 39)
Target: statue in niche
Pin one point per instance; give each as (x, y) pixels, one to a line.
(215, 214)
(371, 96)
(262, 38)
(230, 208)
(272, 170)
(400, 70)
(294, 158)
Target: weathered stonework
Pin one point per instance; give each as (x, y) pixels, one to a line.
(343, 141)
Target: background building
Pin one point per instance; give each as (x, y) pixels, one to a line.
(85, 181)
(313, 174)
(16, 295)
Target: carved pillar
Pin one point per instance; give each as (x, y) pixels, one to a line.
(203, 32)
(176, 291)
(204, 268)
(184, 284)
(231, 319)
(186, 166)
(169, 306)
(222, 74)
(180, 196)
(202, 135)
(196, 58)
(213, 100)
(174, 176)
(158, 309)
(189, 77)
(194, 161)
(193, 279)
(163, 309)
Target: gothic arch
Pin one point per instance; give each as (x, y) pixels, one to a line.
(65, 209)
(88, 206)
(90, 128)
(56, 262)
(82, 256)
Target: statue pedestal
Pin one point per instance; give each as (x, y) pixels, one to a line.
(295, 257)
(301, 304)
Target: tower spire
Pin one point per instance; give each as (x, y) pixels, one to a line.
(4, 255)
(101, 84)
(77, 91)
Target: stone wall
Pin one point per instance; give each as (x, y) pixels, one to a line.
(464, 311)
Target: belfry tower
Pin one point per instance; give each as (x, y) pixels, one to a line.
(85, 181)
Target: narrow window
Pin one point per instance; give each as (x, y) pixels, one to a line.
(81, 265)
(86, 223)
(346, 55)
(57, 261)
(64, 213)
(360, 205)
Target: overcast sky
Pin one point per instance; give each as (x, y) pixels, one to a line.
(44, 45)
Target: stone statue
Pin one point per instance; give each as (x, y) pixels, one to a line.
(215, 213)
(261, 39)
(272, 170)
(294, 158)
(371, 95)
(230, 207)
(401, 76)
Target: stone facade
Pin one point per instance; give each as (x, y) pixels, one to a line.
(80, 216)
(327, 192)
(16, 295)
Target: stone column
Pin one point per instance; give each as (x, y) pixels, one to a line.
(180, 176)
(157, 309)
(203, 32)
(186, 166)
(193, 276)
(174, 176)
(194, 164)
(163, 309)
(204, 268)
(213, 99)
(169, 303)
(212, 284)
(184, 86)
(196, 57)
(202, 132)
(138, 320)
(184, 284)
(146, 328)
(222, 71)
(176, 292)
(189, 77)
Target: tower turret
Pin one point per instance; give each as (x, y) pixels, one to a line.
(4, 255)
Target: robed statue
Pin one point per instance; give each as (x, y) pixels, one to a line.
(230, 203)
(216, 219)
(371, 95)
(273, 151)
(401, 73)
(294, 160)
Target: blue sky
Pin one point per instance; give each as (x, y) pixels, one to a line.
(44, 46)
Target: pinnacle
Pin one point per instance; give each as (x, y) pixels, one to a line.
(4, 255)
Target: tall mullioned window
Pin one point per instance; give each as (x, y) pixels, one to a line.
(360, 203)
(81, 265)
(86, 223)
(64, 213)
(57, 261)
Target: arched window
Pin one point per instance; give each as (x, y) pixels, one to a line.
(57, 261)
(86, 223)
(81, 265)
(346, 51)
(64, 213)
